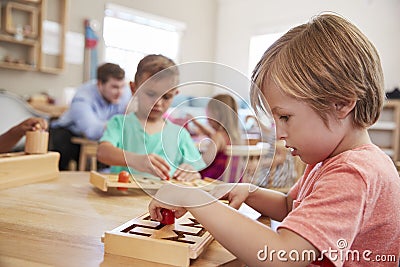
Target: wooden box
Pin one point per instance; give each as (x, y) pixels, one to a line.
(106, 181)
(19, 168)
(145, 239)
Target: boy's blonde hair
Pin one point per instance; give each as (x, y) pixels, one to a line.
(325, 61)
(225, 111)
(152, 64)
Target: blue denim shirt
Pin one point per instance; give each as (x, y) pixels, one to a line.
(89, 112)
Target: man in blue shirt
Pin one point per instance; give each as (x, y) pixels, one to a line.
(93, 104)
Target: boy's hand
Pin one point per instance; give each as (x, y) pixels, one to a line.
(179, 199)
(186, 172)
(152, 164)
(155, 207)
(170, 197)
(236, 194)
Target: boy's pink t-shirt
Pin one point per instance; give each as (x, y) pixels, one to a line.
(349, 205)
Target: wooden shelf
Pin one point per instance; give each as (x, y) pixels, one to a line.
(12, 9)
(55, 11)
(22, 34)
(385, 133)
(12, 39)
(17, 66)
(31, 1)
(384, 126)
(22, 55)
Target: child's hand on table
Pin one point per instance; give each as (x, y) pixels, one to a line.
(236, 194)
(186, 172)
(156, 206)
(169, 196)
(152, 164)
(178, 198)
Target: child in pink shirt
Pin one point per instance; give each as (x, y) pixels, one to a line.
(222, 116)
(323, 83)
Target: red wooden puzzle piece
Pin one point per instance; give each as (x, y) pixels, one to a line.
(123, 177)
(168, 216)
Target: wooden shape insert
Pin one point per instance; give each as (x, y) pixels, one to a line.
(173, 244)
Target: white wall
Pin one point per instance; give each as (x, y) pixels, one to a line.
(220, 30)
(238, 20)
(198, 41)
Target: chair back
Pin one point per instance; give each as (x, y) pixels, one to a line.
(248, 163)
(15, 110)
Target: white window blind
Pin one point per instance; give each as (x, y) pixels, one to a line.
(130, 34)
(258, 45)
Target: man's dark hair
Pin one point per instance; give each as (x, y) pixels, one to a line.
(107, 70)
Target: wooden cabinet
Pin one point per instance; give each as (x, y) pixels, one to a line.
(22, 34)
(53, 12)
(385, 133)
(19, 45)
(21, 20)
(18, 54)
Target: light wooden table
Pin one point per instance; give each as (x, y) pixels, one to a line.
(60, 223)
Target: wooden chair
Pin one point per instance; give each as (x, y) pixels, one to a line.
(88, 152)
(16, 110)
(248, 163)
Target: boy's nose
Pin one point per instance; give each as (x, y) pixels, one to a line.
(158, 102)
(280, 134)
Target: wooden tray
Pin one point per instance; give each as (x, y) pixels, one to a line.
(106, 181)
(145, 239)
(19, 168)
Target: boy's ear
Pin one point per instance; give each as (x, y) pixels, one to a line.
(343, 109)
(132, 85)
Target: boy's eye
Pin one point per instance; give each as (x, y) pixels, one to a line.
(150, 94)
(167, 97)
(284, 118)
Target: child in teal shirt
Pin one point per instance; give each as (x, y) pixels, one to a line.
(136, 139)
(143, 140)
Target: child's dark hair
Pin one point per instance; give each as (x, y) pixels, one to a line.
(325, 61)
(152, 64)
(108, 70)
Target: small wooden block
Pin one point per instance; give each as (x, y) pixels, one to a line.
(105, 181)
(168, 216)
(144, 239)
(19, 168)
(36, 142)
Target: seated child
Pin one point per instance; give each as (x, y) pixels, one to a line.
(323, 81)
(143, 140)
(222, 116)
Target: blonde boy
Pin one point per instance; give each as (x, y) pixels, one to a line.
(324, 84)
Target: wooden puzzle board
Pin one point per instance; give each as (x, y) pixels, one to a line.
(145, 239)
(19, 168)
(105, 181)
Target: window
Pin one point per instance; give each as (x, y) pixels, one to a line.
(258, 45)
(129, 35)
